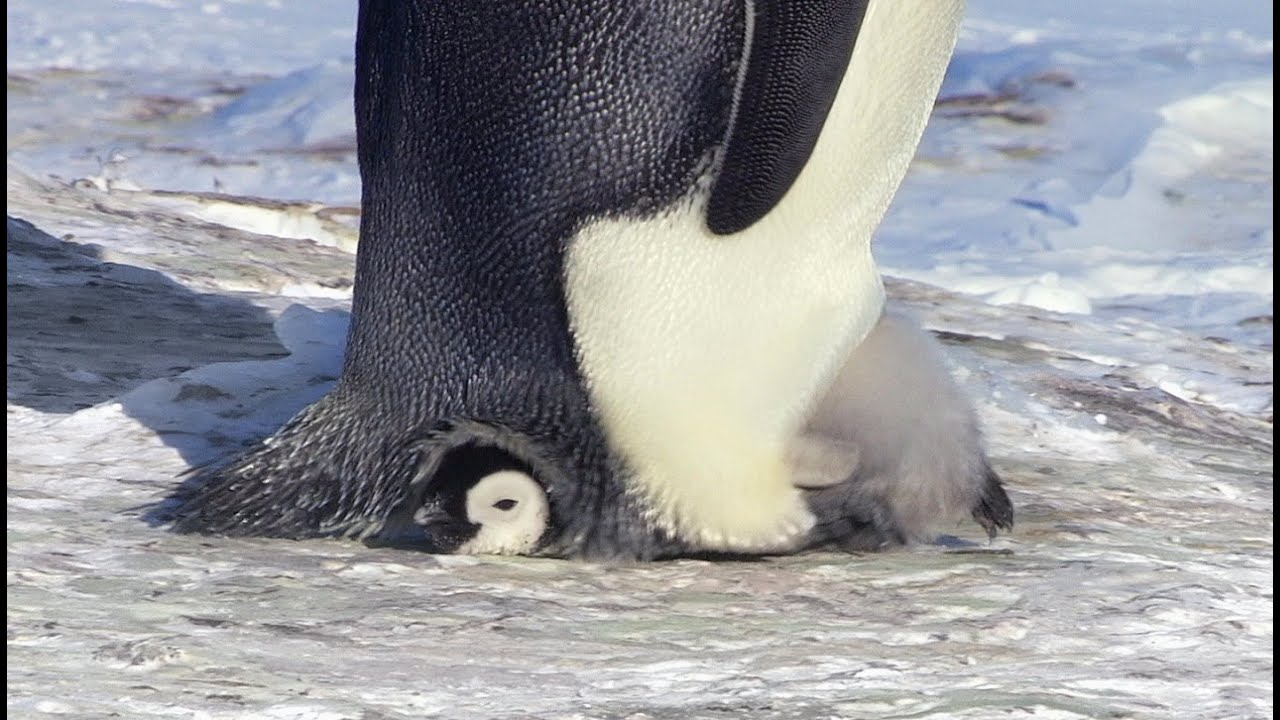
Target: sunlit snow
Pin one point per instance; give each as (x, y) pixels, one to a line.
(1087, 226)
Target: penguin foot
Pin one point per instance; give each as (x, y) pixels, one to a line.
(854, 530)
(858, 516)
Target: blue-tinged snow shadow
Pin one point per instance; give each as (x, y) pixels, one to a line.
(210, 374)
(216, 410)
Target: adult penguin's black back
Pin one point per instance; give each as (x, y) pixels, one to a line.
(616, 241)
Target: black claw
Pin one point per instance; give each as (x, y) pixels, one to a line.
(994, 510)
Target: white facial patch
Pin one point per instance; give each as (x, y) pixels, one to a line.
(704, 353)
(511, 509)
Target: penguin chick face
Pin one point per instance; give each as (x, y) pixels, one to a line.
(504, 513)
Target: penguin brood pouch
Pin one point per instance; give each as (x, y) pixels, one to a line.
(613, 280)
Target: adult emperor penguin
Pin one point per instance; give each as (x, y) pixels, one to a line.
(625, 244)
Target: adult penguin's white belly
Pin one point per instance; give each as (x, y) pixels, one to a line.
(703, 353)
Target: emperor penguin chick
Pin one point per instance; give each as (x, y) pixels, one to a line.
(480, 500)
(503, 513)
(893, 451)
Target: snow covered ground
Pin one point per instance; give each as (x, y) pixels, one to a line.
(1088, 227)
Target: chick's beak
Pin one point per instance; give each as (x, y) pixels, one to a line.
(444, 532)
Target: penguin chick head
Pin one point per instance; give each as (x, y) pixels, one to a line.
(503, 513)
(482, 501)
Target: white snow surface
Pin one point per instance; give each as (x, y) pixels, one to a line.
(1088, 226)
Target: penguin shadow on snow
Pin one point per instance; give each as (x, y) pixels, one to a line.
(215, 412)
(83, 331)
(207, 373)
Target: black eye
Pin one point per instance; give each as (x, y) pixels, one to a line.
(506, 504)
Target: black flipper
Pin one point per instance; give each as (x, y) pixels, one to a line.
(799, 50)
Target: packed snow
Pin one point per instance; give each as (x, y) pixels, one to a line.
(1087, 226)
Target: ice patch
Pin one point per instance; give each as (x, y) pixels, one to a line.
(305, 109)
(1045, 292)
(1227, 130)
